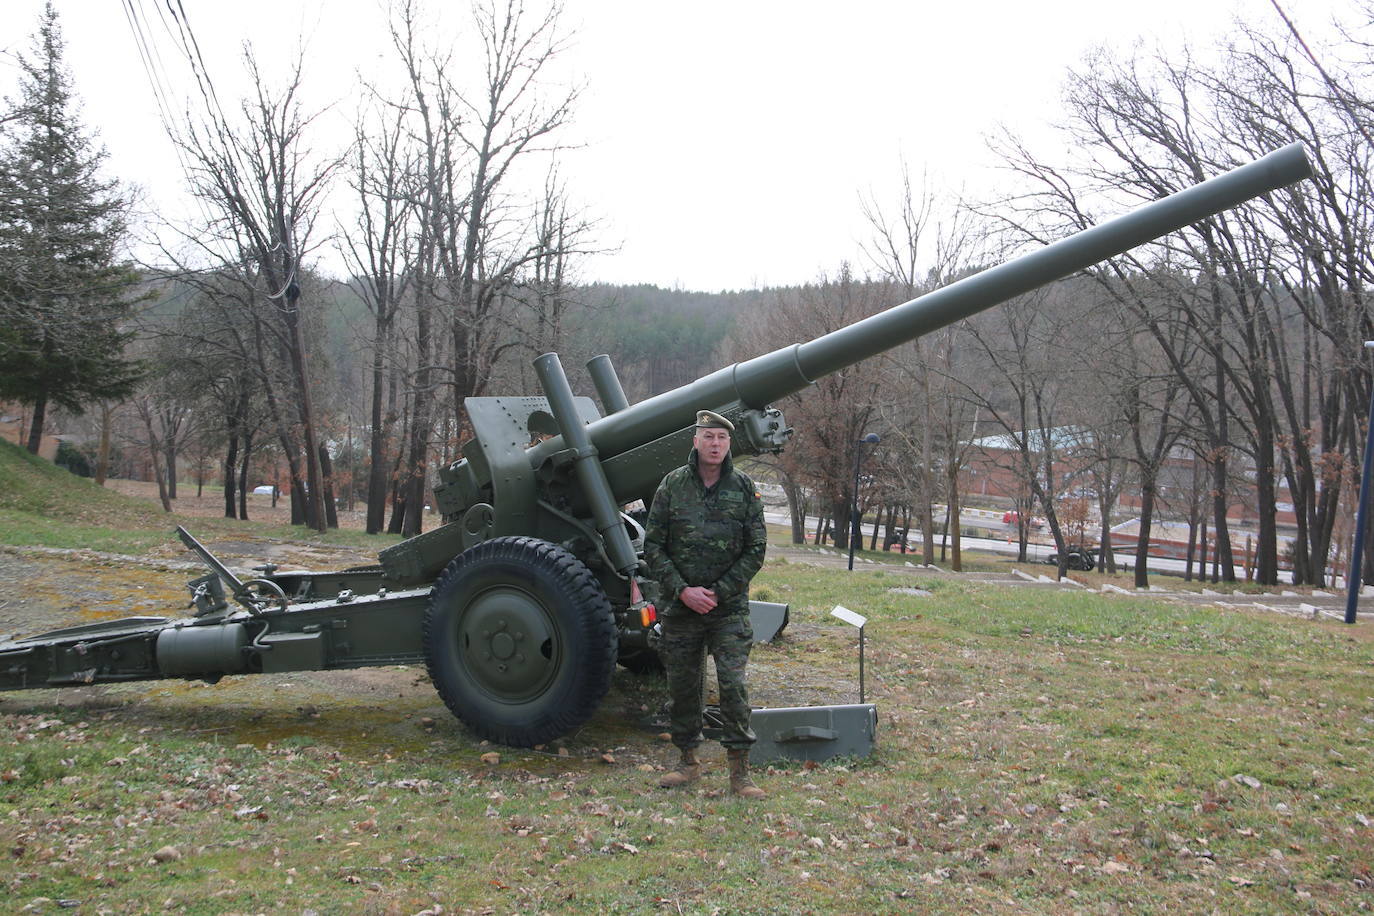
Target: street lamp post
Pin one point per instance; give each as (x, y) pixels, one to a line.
(854, 534)
(1352, 579)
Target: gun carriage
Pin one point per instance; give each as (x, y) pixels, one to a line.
(521, 603)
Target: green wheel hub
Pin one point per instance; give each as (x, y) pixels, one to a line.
(510, 643)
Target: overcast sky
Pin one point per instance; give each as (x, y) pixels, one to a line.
(726, 144)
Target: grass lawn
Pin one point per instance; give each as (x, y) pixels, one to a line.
(1039, 751)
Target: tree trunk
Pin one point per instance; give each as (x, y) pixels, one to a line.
(171, 449)
(1202, 550)
(796, 509)
(925, 510)
(1147, 513)
(1191, 553)
(1265, 564)
(102, 459)
(1106, 556)
(314, 517)
(398, 512)
(331, 512)
(299, 505)
(412, 497)
(377, 484)
(1223, 562)
(243, 478)
(927, 532)
(153, 450)
(842, 510)
(956, 554)
(231, 466)
(40, 413)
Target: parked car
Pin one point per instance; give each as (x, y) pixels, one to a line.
(1082, 558)
(262, 491)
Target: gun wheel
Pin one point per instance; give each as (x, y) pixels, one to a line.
(520, 640)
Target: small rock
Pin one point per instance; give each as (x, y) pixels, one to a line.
(167, 854)
(426, 722)
(1243, 780)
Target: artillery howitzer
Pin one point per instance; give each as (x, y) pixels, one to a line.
(522, 602)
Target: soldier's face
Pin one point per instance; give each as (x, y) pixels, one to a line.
(712, 446)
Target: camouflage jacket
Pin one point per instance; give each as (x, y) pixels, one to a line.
(710, 537)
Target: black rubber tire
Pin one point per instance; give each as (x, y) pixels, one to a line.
(520, 640)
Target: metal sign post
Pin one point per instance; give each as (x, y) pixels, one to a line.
(854, 620)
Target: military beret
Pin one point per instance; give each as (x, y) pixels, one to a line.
(709, 419)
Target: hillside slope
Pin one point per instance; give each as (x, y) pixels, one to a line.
(33, 487)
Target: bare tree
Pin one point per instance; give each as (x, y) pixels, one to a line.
(1018, 385)
(926, 243)
(262, 186)
(512, 118)
(1322, 272)
(378, 249)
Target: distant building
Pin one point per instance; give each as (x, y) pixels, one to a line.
(993, 472)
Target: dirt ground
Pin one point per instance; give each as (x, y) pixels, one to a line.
(211, 504)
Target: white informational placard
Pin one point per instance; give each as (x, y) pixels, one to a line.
(849, 617)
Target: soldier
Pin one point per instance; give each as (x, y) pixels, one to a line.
(705, 540)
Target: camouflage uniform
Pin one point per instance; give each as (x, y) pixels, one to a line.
(713, 538)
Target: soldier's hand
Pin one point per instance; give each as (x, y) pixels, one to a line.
(699, 599)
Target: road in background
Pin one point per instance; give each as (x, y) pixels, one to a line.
(1006, 543)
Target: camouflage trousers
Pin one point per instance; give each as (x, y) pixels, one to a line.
(686, 640)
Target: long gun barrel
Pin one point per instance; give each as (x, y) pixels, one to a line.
(507, 486)
(760, 381)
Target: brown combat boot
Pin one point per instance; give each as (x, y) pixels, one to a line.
(687, 771)
(740, 783)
